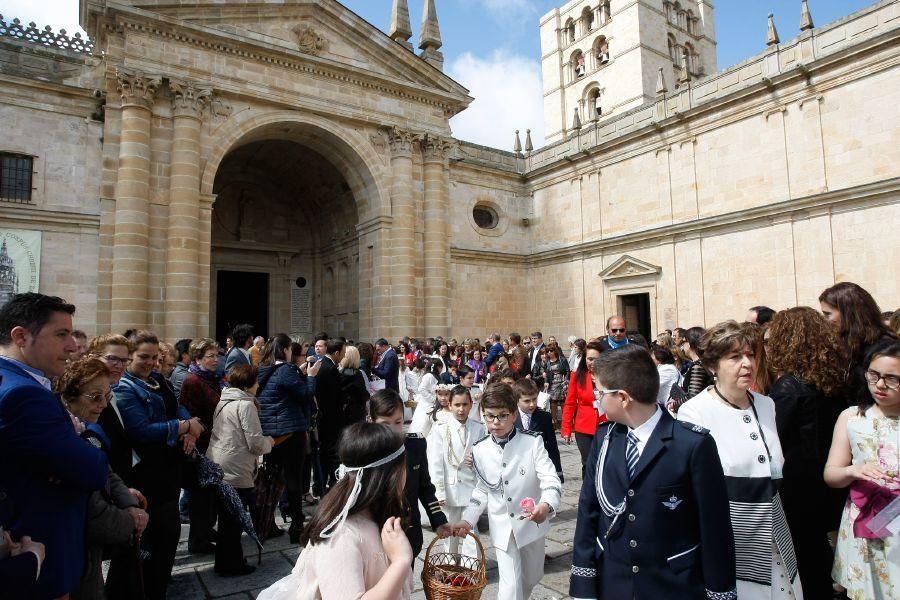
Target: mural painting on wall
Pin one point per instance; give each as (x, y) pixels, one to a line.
(20, 262)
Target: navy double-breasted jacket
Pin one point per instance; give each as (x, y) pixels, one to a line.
(673, 538)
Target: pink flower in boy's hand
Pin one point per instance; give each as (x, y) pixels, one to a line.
(527, 505)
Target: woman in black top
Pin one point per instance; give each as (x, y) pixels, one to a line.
(804, 355)
(696, 378)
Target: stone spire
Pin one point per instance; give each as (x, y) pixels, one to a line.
(430, 37)
(529, 145)
(401, 30)
(517, 146)
(772, 33)
(661, 88)
(806, 21)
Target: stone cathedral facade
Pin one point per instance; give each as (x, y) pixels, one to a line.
(201, 163)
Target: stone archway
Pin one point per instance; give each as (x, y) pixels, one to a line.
(290, 196)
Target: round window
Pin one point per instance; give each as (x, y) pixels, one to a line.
(485, 217)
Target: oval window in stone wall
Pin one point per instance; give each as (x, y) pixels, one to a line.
(485, 217)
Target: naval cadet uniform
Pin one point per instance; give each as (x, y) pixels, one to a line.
(419, 487)
(653, 517)
(508, 471)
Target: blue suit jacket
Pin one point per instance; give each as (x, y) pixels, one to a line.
(542, 423)
(493, 354)
(674, 538)
(389, 370)
(46, 474)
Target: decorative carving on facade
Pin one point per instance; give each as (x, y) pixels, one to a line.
(629, 266)
(136, 88)
(46, 37)
(189, 99)
(434, 148)
(401, 141)
(310, 41)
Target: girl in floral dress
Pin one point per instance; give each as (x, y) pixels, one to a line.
(865, 455)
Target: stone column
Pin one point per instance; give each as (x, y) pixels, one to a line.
(437, 238)
(182, 250)
(132, 216)
(204, 256)
(403, 239)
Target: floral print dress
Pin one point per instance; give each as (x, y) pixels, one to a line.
(870, 568)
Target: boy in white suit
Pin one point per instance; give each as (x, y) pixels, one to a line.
(450, 461)
(517, 483)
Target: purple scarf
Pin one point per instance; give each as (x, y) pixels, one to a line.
(209, 376)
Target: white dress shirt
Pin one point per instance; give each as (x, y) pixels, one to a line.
(645, 430)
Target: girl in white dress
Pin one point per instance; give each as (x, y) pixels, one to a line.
(743, 424)
(865, 455)
(425, 397)
(450, 461)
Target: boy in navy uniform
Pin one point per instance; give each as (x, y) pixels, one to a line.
(653, 516)
(531, 418)
(386, 406)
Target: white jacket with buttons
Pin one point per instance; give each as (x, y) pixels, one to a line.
(521, 469)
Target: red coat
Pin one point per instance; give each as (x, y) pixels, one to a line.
(579, 408)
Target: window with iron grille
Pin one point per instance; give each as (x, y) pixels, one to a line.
(15, 177)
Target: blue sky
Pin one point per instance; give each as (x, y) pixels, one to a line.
(486, 41)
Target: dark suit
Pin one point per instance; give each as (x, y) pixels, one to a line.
(419, 487)
(235, 356)
(538, 380)
(330, 398)
(674, 537)
(46, 475)
(18, 575)
(542, 422)
(120, 453)
(389, 370)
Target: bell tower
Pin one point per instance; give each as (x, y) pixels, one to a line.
(602, 57)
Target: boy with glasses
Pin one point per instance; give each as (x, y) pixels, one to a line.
(653, 514)
(516, 481)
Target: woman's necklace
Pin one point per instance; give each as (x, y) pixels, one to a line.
(727, 401)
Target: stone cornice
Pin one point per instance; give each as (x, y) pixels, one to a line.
(869, 195)
(55, 220)
(129, 18)
(374, 224)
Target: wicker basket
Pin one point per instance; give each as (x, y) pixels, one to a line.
(441, 567)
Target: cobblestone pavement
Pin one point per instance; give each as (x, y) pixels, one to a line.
(193, 577)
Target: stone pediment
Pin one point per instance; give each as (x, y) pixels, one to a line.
(323, 29)
(628, 266)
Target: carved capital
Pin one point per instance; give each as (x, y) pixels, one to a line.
(401, 142)
(435, 148)
(188, 99)
(136, 88)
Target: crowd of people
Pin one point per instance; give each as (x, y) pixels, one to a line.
(753, 459)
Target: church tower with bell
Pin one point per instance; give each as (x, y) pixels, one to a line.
(603, 57)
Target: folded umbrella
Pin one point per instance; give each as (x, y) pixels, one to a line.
(209, 474)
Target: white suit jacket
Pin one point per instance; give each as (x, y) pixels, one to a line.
(453, 484)
(521, 469)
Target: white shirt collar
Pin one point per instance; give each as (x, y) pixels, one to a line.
(645, 430)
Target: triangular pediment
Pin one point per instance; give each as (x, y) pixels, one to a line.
(628, 266)
(320, 30)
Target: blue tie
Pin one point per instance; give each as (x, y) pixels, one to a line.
(631, 453)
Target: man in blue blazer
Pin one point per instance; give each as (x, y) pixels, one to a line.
(388, 368)
(653, 515)
(495, 351)
(47, 471)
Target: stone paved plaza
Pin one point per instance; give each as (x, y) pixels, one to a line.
(194, 579)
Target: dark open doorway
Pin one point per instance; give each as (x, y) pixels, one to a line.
(636, 310)
(241, 297)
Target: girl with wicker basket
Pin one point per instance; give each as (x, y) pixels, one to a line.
(450, 462)
(355, 546)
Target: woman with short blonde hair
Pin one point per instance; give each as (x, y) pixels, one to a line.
(351, 358)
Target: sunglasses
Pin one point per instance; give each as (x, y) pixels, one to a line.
(617, 330)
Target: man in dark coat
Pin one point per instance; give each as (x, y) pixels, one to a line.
(420, 488)
(47, 471)
(239, 354)
(329, 397)
(388, 368)
(653, 515)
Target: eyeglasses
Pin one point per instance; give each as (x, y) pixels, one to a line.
(601, 393)
(617, 330)
(115, 360)
(97, 397)
(891, 382)
(496, 418)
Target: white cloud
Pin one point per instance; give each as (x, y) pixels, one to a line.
(58, 14)
(508, 96)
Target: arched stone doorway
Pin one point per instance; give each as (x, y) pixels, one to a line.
(285, 247)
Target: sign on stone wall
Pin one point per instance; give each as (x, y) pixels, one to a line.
(301, 306)
(20, 262)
